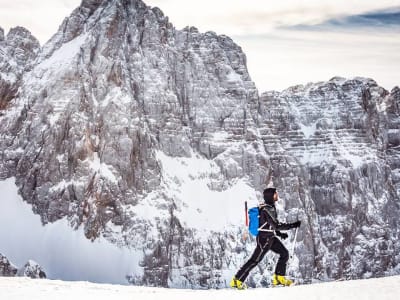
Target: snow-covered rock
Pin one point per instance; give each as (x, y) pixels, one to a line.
(17, 53)
(153, 138)
(336, 155)
(31, 269)
(6, 267)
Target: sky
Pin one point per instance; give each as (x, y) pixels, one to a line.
(287, 42)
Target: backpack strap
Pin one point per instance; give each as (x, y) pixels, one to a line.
(261, 228)
(265, 230)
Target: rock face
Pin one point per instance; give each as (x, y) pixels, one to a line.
(7, 268)
(338, 159)
(17, 53)
(139, 132)
(31, 269)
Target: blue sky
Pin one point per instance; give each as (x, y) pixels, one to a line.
(287, 42)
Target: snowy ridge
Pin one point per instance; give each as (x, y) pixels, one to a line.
(21, 288)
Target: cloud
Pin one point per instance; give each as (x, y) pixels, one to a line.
(333, 30)
(289, 57)
(231, 17)
(385, 19)
(235, 17)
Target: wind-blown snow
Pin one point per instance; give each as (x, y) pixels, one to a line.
(24, 288)
(64, 55)
(63, 253)
(308, 131)
(102, 168)
(189, 180)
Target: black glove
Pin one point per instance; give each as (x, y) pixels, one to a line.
(296, 224)
(282, 235)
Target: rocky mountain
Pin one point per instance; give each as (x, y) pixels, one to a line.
(153, 138)
(30, 269)
(6, 267)
(17, 53)
(338, 154)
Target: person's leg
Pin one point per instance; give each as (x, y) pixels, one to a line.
(280, 270)
(258, 254)
(280, 249)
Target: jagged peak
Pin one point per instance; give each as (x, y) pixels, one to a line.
(365, 80)
(91, 4)
(395, 91)
(1, 34)
(158, 12)
(18, 32)
(338, 80)
(92, 13)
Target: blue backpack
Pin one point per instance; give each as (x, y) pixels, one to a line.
(253, 220)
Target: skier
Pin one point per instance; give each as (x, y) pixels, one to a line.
(267, 240)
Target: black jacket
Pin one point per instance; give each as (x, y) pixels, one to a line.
(269, 224)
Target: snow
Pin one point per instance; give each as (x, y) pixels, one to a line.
(233, 76)
(14, 288)
(309, 130)
(102, 168)
(63, 253)
(220, 137)
(190, 181)
(117, 97)
(316, 157)
(8, 77)
(63, 56)
(62, 185)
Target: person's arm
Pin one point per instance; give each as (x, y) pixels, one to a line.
(276, 225)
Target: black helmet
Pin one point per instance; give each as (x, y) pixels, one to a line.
(269, 195)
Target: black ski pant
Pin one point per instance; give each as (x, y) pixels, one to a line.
(264, 244)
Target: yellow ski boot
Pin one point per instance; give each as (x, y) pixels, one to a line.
(237, 284)
(281, 280)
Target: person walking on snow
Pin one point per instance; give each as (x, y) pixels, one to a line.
(267, 239)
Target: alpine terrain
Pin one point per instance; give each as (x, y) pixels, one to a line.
(151, 138)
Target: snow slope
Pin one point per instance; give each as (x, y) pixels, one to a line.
(63, 253)
(23, 288)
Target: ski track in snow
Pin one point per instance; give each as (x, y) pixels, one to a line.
(24, 288)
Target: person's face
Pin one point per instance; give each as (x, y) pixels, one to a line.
(276, 196)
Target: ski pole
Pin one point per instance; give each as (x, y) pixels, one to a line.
(295, 238)
(294, 242)
(246, 214)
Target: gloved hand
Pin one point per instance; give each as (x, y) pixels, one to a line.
(296, 224)
(282, 235)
